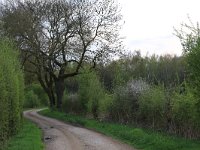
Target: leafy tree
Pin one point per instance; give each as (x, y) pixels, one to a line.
(190, 39)
(184, 114)
(58, 37)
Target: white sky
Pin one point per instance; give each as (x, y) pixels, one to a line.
(149, 24)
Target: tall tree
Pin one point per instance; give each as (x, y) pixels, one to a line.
(189, 36)
(58, 37)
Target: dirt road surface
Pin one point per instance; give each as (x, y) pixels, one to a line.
(61, 136)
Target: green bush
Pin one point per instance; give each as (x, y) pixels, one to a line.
(185, 115)
(39, 92)
(96, 95)
(91, 93)
(152, 107)
(124, 108)
(105, 104)
(31, 100)
(11, 91)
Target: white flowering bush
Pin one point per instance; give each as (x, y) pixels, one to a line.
(136, 87)
(125, 105)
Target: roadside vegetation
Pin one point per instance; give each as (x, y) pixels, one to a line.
(11, 92)
(137, 137)
(28, 138)
(153, 92)
(15, 132)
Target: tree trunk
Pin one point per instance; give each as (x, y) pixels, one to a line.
(59, 88)
(51, 97)
(47, 85)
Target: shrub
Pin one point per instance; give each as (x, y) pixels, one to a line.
(96, 95)
(185, 115)
(125, 104)
(11, 91)
(152, 107)
(31, 100)
(39, 92)
(105, 104)
(91, 93)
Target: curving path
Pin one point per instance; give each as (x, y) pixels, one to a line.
(61, 136)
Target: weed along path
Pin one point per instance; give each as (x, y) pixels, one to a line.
(61, 136)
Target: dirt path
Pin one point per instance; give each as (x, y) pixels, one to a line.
(62, 136)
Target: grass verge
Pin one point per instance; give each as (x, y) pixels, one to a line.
(138, 138)
(29, 138)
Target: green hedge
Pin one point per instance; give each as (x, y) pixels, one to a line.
(11, 91)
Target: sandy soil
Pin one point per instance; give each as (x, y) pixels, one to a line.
(61, 136)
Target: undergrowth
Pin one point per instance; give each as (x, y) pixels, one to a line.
(139, 138)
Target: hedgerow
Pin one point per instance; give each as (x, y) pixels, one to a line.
(11, 91)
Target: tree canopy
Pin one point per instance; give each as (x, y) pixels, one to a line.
(59, 37)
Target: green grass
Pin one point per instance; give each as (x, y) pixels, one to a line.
(138, 138)
(29, 138)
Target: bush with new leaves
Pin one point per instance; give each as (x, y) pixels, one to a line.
(152, 105)
(35, 96)
(91, 93)
(11, 91)
(31, 100)
(125, 106)
(185, 115)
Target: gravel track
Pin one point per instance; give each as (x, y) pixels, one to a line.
(61, 136)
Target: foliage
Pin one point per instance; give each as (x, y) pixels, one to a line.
(185, 114)
(167, 70)
(11, 90)
(105, 104)
(36, 90)
(137, 137)
(96, 95)
(125, 104)
(152, 105)
(56, 43)
(189, 36)
(91, 93)
(31, 100)
(155, 106)
(28, 138)
(147, 92)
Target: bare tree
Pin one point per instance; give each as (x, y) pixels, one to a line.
(59, 37)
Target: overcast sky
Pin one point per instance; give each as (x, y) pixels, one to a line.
(149, 24)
